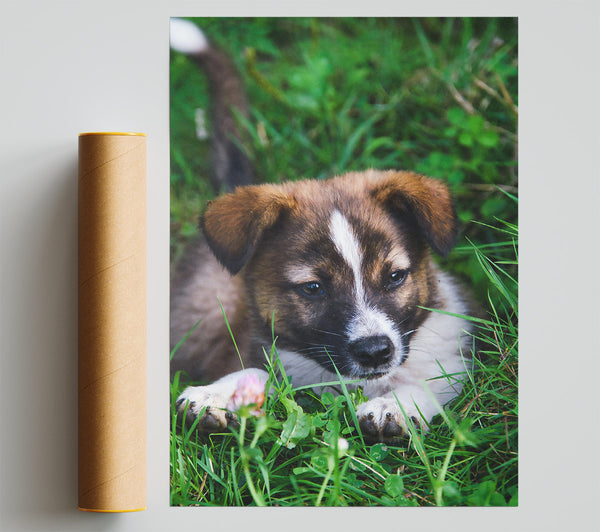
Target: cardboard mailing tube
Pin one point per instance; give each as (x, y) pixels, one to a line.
(112, 322)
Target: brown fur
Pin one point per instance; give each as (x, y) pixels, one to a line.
(235, 222)
(428, 200)
(197, 287)
(244, 231)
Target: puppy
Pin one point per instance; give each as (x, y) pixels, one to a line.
(341, 273)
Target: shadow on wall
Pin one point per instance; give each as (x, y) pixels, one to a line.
(39, 356)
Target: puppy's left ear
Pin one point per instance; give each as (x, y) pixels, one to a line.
(424, 199)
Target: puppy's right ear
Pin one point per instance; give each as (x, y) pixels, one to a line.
(234, 223)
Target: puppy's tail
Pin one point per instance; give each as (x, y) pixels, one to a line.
(231, 167)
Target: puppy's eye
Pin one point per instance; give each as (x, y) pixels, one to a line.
(397, 278)
(312, 289)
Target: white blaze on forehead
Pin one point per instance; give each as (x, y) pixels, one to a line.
(367, 321)
(348, 246)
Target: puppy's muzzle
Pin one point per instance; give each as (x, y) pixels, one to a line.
(372, 351)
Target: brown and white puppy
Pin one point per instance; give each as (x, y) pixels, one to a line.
(340, 272)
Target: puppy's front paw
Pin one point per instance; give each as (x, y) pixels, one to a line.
(381, 419)
(207, 402)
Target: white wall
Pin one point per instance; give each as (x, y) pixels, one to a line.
(68, 67)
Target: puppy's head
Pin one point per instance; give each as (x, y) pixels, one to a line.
(342, 265)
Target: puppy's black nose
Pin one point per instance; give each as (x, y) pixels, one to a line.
(372, 351)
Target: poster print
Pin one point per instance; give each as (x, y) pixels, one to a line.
(344, 314)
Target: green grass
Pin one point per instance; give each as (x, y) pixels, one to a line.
(438, 96)
(290, 456)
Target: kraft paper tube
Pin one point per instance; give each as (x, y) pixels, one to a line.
(112, 322)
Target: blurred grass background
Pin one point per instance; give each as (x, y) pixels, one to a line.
(437, 96)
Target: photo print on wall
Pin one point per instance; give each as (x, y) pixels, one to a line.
(344, 233)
